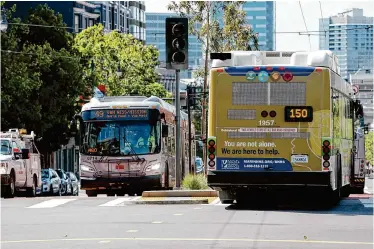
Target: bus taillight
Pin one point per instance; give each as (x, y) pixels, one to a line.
(326, 154)
(212, 153)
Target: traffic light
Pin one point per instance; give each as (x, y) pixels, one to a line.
(191, 92)
(366, 129)
(177, 43)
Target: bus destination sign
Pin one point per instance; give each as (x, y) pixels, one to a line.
(117, 114)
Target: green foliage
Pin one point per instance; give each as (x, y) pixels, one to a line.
(112, 52)
(195, 182)
(41, 77)
(235, 34)
(369, 138)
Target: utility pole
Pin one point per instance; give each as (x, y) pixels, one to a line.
(178, 130)
(189, 130)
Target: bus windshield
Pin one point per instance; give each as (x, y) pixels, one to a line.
(121, 138)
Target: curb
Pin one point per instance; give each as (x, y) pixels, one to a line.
(181, 193)
(166, 201)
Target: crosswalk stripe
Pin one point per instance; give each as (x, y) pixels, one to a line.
(51, 203)
(113, 203)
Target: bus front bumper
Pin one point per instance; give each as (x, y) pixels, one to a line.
(235, 179)
(143, 182)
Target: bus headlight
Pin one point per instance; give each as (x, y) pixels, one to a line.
(153, 167)
(87, 168)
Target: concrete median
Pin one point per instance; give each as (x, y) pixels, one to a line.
(172, 200)
(181, 193)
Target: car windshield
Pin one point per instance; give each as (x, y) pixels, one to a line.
(121, 138)
(6, 149)
(45, 174)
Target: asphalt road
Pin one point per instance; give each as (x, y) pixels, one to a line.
(111, 222)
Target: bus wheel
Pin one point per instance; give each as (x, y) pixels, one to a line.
(91, 193)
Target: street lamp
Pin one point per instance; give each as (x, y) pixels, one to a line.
(4, 23)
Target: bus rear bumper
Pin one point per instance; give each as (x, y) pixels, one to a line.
(235, 179)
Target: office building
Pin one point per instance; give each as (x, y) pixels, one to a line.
(261, 16)
(363, 80)
(155, 35)
(350, 36)
(125, 16)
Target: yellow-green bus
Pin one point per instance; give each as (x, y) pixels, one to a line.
(279, 119)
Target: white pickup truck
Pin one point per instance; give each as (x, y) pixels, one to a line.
(20, 164)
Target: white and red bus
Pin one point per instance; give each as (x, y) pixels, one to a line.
(127, 145)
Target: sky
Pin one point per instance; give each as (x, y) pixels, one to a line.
(289, 18)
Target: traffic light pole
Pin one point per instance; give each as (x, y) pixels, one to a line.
(178, 165)
(189, 134)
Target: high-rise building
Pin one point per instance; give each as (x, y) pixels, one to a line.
(350, 36)
(363, 81)
(155, 35)
(125, 16)
(261, 16)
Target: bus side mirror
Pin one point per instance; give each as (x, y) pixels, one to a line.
(165, 130)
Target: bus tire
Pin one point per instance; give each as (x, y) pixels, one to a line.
(91, 193)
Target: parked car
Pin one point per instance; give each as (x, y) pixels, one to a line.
(65, 182)
(51, 182)
(74, 183)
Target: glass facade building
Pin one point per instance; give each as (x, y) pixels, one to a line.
(350, 36)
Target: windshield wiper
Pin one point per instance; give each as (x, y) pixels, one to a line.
(134, 155)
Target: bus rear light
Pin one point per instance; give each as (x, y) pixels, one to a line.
(326, 157)
(273, 114)
(211, 152)
(326, 164)
(211, 156)
(326, 143)
(362, 165)
(211, 163)
(362, 161)
(264, 114)
(287, 76)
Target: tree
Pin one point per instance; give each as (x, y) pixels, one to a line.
(234, 34)
(41, 77)
(108, 54)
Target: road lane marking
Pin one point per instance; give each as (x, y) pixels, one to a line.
(51, 203)
(156, 222)
(178, 214)
(132, 231)
(113, 203)
(104, 241)
(194, 239)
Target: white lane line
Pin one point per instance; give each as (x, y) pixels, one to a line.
(113, 203)
(51, 203)
(131, 231)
